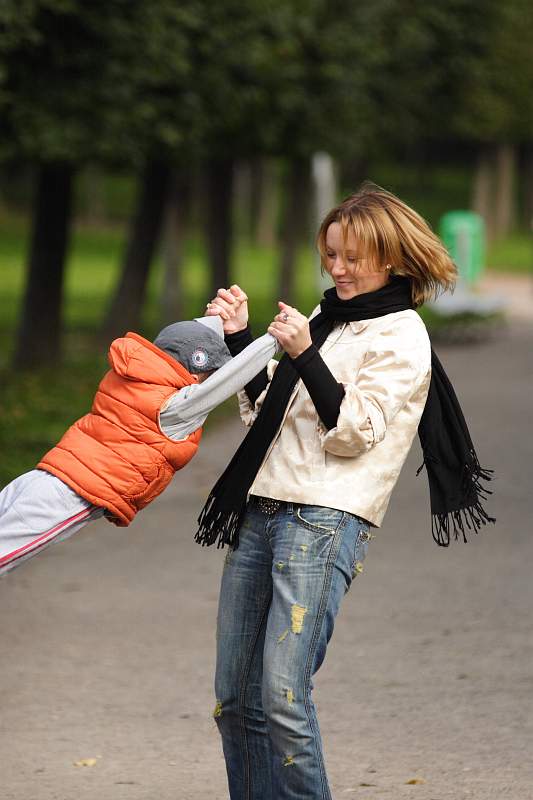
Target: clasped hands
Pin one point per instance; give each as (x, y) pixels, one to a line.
(289, 327)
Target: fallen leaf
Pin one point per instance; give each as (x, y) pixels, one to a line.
(415, 780)
(86, 762)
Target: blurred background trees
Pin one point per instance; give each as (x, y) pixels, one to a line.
(151, 152)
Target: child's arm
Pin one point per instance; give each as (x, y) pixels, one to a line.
(187, 409)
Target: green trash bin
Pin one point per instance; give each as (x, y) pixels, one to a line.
(463, 233)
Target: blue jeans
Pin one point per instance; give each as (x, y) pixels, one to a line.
(280, 593)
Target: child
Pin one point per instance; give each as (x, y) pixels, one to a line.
(145, 423)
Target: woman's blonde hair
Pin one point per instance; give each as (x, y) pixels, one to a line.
(390, 233)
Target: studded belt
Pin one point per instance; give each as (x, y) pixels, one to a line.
(267, 505)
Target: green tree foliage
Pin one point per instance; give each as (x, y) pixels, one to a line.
(131, 83)
(123, 79)
(92, 80)
(495, 101)
(416, 81)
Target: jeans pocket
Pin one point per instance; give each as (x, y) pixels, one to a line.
(320, 519)
(360, 549)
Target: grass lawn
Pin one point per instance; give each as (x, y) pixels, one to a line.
(35, 409)
(513, 254)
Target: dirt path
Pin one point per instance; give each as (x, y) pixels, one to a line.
(108, 640)
(513, 290)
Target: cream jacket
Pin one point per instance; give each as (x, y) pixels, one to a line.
(384, 365)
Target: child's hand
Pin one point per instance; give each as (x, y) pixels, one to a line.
(291, 329)
(232, 306)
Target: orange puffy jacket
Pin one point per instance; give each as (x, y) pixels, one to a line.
(116, 456)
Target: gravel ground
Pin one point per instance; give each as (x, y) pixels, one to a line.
(108, 639)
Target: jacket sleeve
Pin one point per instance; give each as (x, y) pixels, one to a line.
(187, 410)
(236, 343)
(249, 410)
(324, 390)
(249, 405)
(396, 365)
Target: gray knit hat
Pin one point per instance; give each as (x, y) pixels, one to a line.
(197, 344)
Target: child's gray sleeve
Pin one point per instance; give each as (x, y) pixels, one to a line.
(187, 409)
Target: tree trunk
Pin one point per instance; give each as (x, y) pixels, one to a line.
(256, 197)
(124, 311)
(219, 185)
(351, 174)
(294, 223)
(325, 196)
(264, 202)
(505, 212)
(482, 189)
(176, 218)
(242, 194)
(324, 185)
(95, 210)
(39, 334)
(527, 186)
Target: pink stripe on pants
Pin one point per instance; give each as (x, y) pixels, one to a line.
(36, 510)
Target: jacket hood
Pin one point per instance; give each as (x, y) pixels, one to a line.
(137, 359)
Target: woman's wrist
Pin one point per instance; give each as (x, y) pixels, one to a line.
(305, 356)
(238, 340)
(299, 351)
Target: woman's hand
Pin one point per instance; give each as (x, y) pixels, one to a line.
(291, 329)
(232, 306)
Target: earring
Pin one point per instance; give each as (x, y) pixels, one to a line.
(388, 266)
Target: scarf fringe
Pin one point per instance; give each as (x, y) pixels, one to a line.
(473, 516)
(444, 525)
(473, 474)
(221, 527)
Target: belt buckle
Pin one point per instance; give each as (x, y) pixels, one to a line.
(267, 505)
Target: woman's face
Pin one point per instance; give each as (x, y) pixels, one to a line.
(356, 275)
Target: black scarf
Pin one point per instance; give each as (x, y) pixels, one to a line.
(454, 472)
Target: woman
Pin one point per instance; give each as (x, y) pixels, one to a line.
(315, 473)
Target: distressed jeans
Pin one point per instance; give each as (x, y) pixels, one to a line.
(281, 590)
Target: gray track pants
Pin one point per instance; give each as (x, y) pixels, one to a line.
(36, 510)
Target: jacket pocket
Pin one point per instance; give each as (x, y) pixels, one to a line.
(154, 487)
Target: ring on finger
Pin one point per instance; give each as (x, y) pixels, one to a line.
(284, 316)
